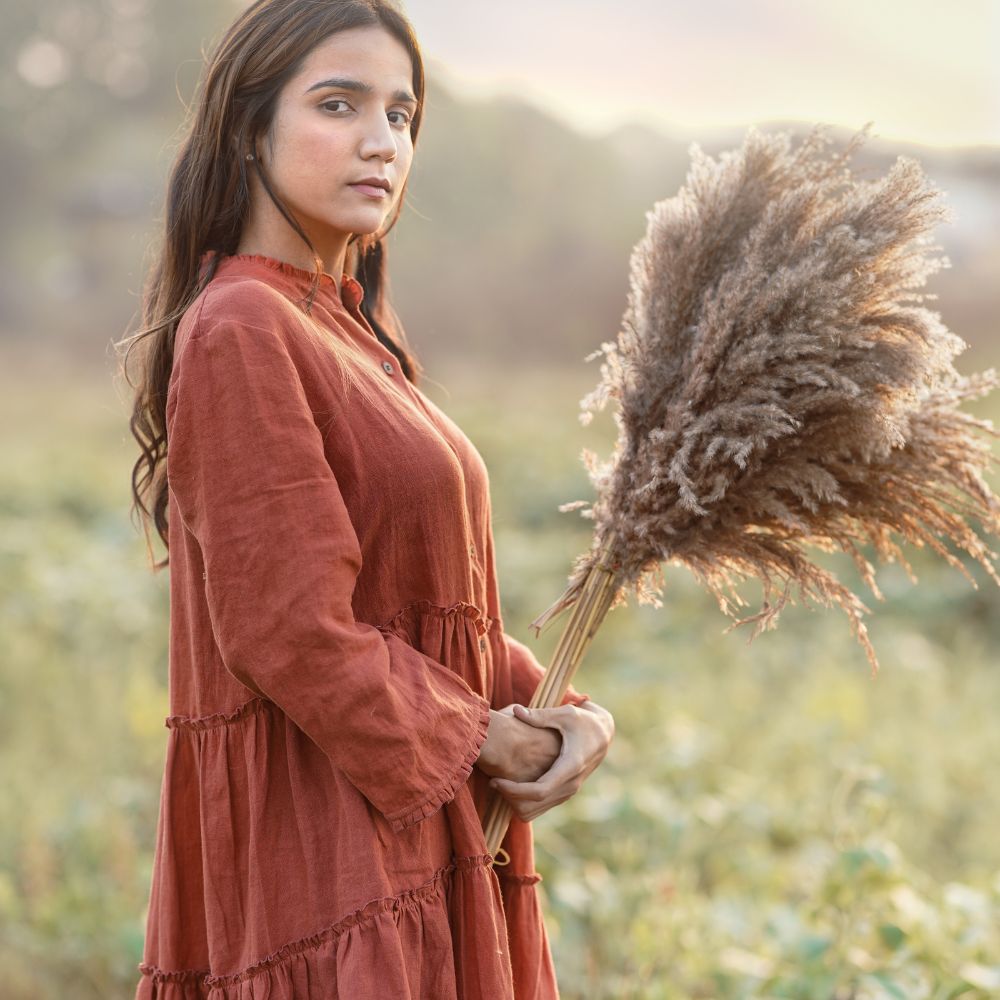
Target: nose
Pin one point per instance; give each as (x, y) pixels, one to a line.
(379, 139)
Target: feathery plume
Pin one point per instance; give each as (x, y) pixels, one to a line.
(779, 387)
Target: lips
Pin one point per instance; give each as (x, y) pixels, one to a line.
(370, 190)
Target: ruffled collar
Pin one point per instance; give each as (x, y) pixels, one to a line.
(350, 291)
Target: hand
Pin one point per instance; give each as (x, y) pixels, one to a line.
(587, 732)
(516, 750)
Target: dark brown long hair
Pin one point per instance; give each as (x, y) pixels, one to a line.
(208, 201)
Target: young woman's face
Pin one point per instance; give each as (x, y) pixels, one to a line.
(328, 134)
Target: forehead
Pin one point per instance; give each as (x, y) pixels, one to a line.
(368, 53)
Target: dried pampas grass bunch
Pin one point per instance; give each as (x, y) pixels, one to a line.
(779, 386)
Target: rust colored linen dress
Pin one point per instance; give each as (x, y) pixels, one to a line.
(336, 644)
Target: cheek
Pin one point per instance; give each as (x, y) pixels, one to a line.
(404, 159)
(311, 152)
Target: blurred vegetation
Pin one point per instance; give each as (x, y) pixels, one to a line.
(770, 822)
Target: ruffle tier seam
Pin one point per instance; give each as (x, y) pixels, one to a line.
(519, 878)
(483, 622)
(161, 976)
(410, 897)
(216, 719)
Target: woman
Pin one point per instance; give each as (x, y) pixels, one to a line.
(337, 652)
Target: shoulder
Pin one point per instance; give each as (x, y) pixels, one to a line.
(238, 329)
(239, 300)
(233, 351)
(243, 298)
(241, 330)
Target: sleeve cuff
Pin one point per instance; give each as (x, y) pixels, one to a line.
(401, 819)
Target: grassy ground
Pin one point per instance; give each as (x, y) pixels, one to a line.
(770, 821)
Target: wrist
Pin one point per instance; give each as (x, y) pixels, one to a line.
(488, 751)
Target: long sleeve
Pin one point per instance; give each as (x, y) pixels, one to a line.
(527, 674)
(248, 471)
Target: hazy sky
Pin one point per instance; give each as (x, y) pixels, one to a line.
(923, 70)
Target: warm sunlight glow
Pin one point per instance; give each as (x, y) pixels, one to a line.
(922, 71)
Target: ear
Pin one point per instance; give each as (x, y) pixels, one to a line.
(243, 145)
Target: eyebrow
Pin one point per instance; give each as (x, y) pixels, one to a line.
(345, 83)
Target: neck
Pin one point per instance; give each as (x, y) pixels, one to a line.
(285, 244)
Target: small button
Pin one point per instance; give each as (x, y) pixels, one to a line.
(472, 549)
(482, 644)
(387, 365)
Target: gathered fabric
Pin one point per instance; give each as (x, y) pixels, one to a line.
(336, 644)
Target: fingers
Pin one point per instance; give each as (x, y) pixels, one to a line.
(546, 718)
(527, 809)
(564, 778)
(556, 785)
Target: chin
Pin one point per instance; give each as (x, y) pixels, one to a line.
(362, 229)
(362, 223)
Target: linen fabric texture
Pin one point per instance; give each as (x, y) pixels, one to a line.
(335, 646)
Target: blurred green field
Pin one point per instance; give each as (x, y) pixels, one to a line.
(771, 822)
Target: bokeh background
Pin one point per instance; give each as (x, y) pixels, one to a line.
(770, 821)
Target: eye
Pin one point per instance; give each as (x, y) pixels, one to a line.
(406, 117)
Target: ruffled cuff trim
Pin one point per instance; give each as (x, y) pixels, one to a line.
(400, 820)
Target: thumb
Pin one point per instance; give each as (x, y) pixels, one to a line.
(526, 714)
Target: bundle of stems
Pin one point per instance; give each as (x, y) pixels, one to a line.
(779, 388)
(597, 593)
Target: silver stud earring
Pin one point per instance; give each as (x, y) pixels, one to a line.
(249, 156)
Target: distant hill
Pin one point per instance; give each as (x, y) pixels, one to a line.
(548, 218)
(513, 247)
